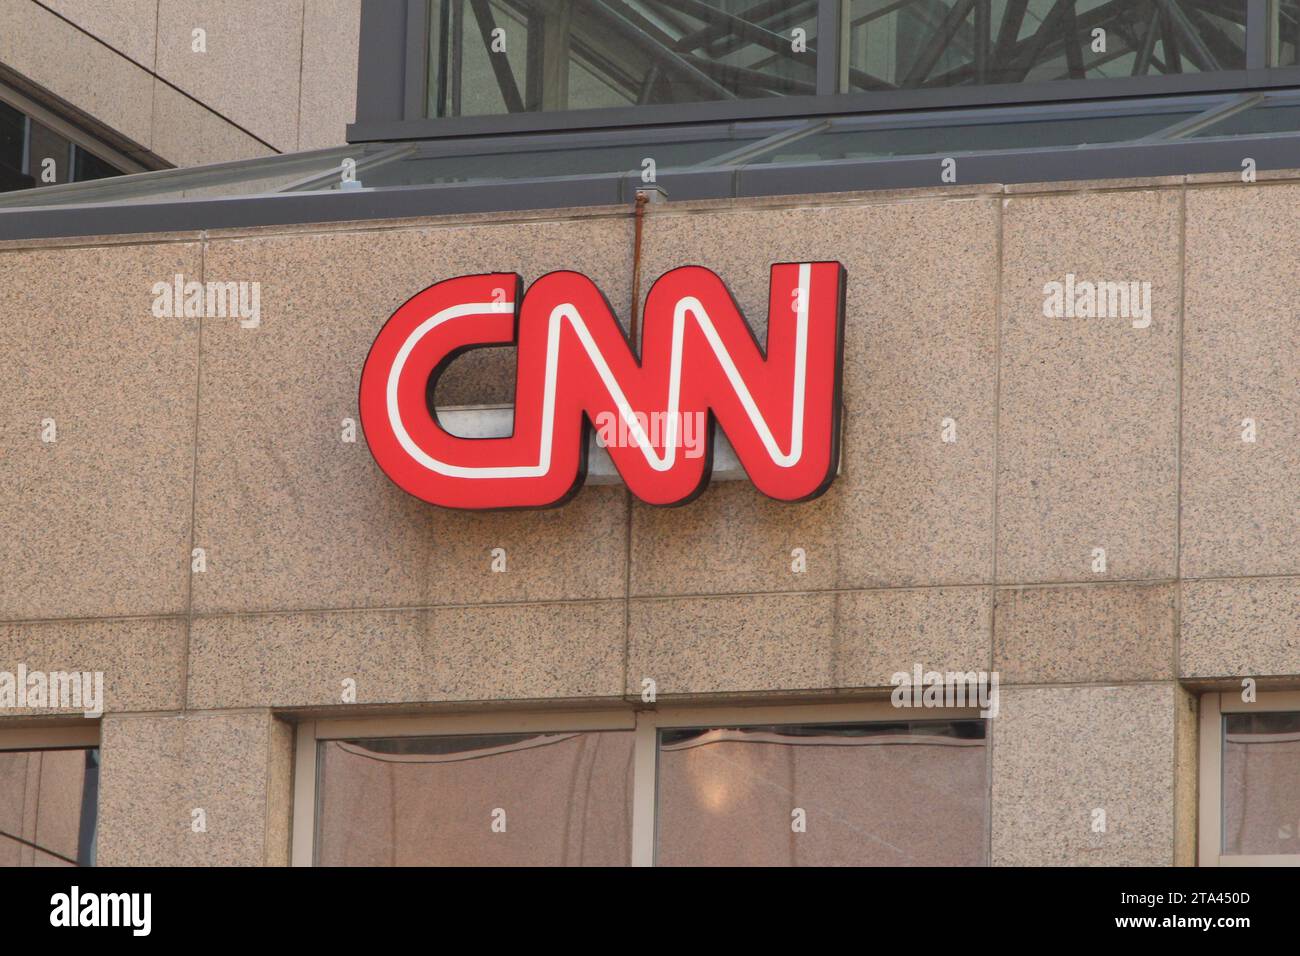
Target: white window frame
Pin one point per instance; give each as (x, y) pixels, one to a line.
(645, 724)
(1213, 708)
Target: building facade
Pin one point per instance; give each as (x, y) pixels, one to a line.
(1067, 482)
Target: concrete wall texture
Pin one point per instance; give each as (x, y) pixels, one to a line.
(133, 65)
(1072, 435)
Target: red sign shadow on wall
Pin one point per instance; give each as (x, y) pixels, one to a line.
(700, 365)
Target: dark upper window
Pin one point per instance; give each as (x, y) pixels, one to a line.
(514, 56)
(32, 154)
(922, 45)
(507, 65)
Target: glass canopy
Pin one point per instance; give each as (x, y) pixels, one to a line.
(648, 154)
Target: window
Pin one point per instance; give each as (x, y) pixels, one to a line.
(40, 148)
(900, 794)
(49, 786)
(792, 785)
(1284, 33)
(491, 66)
(13, 148)
(975, 42)
(86, 166)
(552, 799)
(516, 56)
(1250, 780)
(48, 155)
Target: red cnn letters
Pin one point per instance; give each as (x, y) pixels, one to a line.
(699, 357)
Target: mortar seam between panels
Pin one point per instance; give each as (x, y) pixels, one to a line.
(1178, 457)
(1179, 797)
(269, 740)
(194, 484)
(627, 595)
(634, 308)
(153, 87)
(157, 35)
(302, 53)
(1000, 212)
(997, 422)
(703, 595)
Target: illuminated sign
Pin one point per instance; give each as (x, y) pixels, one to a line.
(700, 364)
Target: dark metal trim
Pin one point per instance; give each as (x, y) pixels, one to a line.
(1258, 31)
(1175, 157)
(415, 89)
(381, 63)
(89, 809)
(393, 77)
(798, 107)
(831, 46)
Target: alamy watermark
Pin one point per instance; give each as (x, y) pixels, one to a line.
(1075, 299)
(686, 430)
(922, 688)
(179, 299)
(56, 690)
(130, 910)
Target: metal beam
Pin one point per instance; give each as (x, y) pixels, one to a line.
(1013, 19)
(983, 39)
(1071, 38)
(832, 46)
(1104, 15)
(714, 31)
(505, 76)
(624, 21)
(1196, 49)
(735, 25)
(1142, 63)
(749, 151)
(1259, 36)
(1202, 121)
(929, 56)
(738, 76)
(1219, 44)
(1033, 52)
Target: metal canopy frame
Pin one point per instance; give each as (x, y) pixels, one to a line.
(1122, 160)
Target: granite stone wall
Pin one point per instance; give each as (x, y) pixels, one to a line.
(1072, 436)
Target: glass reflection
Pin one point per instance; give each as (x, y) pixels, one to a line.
(496, 800)
(47, 807)
(1261, 783)
(525, 56)
(926, 44)
(896, 794)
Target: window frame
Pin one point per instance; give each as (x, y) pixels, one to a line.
(392, 89)
(645, 724)
(1214, 706)
(76, 136)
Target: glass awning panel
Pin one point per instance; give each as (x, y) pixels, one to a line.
(249, 177)
(611, 155)
(968, 132)
(486, 160)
